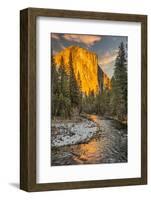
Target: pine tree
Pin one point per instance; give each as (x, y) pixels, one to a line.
(54, 88)
(80, 93)
(113, 99)
(74, 91)
(64, 94)
(119, 84)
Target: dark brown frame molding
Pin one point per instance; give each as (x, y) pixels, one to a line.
(28, 98)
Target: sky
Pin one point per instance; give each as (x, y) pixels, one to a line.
(106, 47)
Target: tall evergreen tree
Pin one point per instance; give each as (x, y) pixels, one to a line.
(119, 84)
(74, 91)
(80, 92)
(54, 88)
(64, 95)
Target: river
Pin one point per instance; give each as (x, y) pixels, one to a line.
(108, 146)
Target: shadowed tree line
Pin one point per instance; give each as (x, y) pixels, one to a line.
(68, 99)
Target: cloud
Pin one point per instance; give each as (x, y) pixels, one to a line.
(55, 36)
(88, 40)
(108, 57)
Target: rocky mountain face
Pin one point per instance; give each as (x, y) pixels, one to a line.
(85, 65)
(103, 80)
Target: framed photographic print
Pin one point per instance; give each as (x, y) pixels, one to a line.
(83, 93)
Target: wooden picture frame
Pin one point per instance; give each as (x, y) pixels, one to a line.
(28, 98)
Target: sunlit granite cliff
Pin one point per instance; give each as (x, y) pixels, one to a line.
(85, 63)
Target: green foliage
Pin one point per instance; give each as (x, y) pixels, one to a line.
(102, 103)
(73, 86)
(61, 104)
(118, 102)
(88, 103)
(54, 88)
(66, 93)
(79, 94)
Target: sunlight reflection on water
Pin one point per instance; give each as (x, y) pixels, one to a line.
(89, 152)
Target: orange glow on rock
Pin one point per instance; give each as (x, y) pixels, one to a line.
(86, 64)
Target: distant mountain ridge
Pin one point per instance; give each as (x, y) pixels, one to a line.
(85, 65)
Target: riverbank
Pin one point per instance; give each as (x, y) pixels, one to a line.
(75, 131)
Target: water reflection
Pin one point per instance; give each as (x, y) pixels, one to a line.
(88, 153)
(95, 119)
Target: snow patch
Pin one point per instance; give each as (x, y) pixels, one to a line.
(72, 133)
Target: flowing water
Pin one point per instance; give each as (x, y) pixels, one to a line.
(109, 145)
